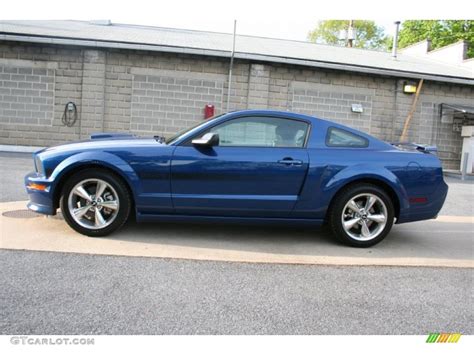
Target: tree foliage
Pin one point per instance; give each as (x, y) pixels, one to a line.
(368, 34)
(440, 32)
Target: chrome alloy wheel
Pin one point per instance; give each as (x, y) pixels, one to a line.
(364, 217)
(93, 204)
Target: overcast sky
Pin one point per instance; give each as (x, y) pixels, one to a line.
(289, 19)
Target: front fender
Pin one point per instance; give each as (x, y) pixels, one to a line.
(104, 159)
(365, 171)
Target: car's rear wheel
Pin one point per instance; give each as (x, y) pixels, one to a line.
(361, 215)
(95, 202)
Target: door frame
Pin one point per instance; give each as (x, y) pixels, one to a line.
(187, 141)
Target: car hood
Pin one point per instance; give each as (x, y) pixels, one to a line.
(102, 144)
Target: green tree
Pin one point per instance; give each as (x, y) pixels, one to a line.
(368, 35)
(440, 32)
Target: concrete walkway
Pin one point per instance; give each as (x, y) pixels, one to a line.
(445, 242)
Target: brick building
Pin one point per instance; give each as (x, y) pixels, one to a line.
(148, 80)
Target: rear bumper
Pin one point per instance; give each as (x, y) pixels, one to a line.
(430, 210)
(40, 201)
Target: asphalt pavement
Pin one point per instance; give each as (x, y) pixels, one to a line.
(60, 293)
(72, 293)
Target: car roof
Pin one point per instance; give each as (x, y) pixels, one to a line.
(272, 112)
(316, 121)
(289, 114)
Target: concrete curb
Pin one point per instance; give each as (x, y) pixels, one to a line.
(457, 175)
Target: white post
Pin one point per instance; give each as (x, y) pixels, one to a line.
(464, 165)
(395, 39)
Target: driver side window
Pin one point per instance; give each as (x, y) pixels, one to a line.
(261, 132)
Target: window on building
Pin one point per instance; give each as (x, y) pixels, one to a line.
(337, 137)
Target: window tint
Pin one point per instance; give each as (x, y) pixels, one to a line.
(261, 132)
(337, 137)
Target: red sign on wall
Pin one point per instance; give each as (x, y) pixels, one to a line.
(208, 111)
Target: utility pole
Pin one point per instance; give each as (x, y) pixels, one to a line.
(231, 67)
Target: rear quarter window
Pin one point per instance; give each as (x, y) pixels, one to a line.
(338, 137)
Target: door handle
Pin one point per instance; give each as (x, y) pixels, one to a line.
(290, 161)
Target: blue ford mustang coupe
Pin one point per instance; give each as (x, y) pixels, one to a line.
(245, 166)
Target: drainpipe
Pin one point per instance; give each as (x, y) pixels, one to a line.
(395, 40)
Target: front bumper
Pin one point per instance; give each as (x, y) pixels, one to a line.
(41, 201)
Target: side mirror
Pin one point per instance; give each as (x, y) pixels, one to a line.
(208, 140)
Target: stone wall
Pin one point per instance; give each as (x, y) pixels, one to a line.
(158, 93)
(165, 101)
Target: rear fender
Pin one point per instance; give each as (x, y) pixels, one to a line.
(365, 172)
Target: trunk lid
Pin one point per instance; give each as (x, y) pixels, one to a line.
(424, 148)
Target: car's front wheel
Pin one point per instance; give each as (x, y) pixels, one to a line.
(95, 202)
(361, 215)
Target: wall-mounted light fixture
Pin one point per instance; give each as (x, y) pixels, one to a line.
(409, 88)
(358, 108)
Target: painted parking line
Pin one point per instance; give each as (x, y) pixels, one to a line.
(256, 246)
(455, 219)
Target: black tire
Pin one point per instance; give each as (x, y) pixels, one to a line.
(338, 206)
(120, 189)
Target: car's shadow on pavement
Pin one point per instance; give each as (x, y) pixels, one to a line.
(295, 240)
(446, 242)
(422, 239)
(225, 236)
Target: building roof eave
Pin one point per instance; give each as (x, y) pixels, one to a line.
(357, 68)
(238, 55)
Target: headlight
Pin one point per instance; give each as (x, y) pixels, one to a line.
(39, 166)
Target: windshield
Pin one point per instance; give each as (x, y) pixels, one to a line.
(185, 131)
